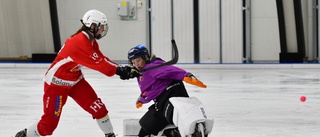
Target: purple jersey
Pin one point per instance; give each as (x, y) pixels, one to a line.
(155, 81)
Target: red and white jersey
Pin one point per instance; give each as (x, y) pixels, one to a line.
(78, 51)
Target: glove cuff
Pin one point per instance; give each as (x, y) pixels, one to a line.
(139, 105)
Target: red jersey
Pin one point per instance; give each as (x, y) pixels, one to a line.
(78, 51)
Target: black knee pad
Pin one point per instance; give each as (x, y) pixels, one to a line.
(168, 112)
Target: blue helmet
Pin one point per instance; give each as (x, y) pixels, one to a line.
(138, 51)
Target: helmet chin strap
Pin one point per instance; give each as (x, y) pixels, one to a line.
(89, 34)
(98, 36)
(94, 36)
(93, 31)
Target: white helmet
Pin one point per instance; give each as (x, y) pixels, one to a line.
(96, 18)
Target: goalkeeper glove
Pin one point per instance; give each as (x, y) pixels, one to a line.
(191, 79)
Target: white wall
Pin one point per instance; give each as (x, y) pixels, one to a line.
(308, 9)
(265, 29)
(161, 28)
(25, 28)
(209, 31)
(210, 51)
(232, 32)
(122, 34)
(182, 27)
(265, 43)
(184, 30)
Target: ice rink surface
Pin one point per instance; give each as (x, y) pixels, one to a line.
(248, 101)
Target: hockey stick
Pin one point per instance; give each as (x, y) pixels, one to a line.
(174, 60)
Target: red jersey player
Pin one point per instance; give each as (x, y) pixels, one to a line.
(64, 78)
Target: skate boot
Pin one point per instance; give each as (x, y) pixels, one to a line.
(110, 135)
(22, 133)
(172, 132)
(199, 130)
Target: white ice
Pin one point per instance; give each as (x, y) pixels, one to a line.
(244, 100)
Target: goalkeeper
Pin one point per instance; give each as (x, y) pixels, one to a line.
(158, 85)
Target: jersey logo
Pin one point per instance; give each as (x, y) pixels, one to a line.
(58, 106)
(96, 105)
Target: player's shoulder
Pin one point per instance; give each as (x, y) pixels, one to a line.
(156, 60)
(78, 39)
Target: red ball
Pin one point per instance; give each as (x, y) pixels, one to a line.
(303, 98)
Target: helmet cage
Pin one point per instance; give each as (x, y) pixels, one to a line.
(105, 31)
(96, 29)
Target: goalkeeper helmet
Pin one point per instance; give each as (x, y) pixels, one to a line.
(96, 19)
(138, 51)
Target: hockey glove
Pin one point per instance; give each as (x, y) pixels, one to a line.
(191, 79)
(134, 72)
(138, 103)
(127, 72)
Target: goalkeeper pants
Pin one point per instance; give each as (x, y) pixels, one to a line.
(159, 115)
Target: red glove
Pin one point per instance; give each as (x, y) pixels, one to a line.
(191, 79)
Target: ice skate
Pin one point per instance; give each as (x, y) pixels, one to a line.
(110, 135)
(199, 130)
(22, 133)
(172, 132)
